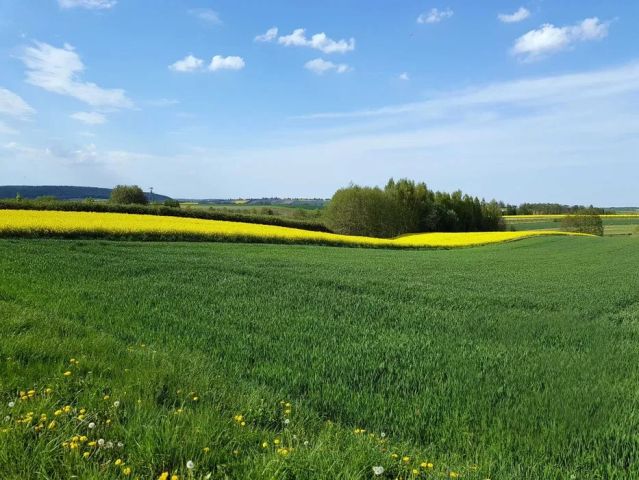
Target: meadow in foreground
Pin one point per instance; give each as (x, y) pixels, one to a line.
(39, 223)
(149, 360)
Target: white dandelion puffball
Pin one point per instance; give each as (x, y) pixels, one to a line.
(378, 470)
(190, 465)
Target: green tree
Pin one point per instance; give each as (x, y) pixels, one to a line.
(583, 223)
(363, 211)
(128, 194)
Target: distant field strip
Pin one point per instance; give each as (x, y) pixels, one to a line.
(559, 216)
(35, 223)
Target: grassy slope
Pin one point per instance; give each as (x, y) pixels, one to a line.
(612, 226)
(519, 358)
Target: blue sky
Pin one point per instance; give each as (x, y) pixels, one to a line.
(517, 100)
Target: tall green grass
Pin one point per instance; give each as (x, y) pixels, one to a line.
(503, 362)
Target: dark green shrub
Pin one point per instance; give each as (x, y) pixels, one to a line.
(128, 195)
(169, 202)
(583, 223)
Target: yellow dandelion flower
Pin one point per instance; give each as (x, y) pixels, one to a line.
(106, 397)
(163, 476)
(126, 471)
(119, 462)
(206, 449)
(276, 441)
(52, 425)
(86, 454)
(405, 459)
(453, 475)
(67, 373)
(415, 471)
(264, 444)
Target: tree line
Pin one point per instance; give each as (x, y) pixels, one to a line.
(550, 209)
(404, 206)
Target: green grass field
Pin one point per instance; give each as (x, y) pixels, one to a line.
(514, 361)
(612, 226)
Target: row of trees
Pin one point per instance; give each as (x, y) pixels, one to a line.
(404, 206)
(548, 209)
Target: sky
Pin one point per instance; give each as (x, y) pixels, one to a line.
(521, 101)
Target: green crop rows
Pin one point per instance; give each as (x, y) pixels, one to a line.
(514, 361)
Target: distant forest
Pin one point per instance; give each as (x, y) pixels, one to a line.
(551, 209)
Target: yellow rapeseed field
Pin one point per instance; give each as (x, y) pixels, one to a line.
(54, 223)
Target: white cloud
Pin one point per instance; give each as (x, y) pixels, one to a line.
(58, 69)
(13, 105)
(90, 118)
(6, 129)
(206, 15)
(319, 41)
(435, 15)
(549, 39)
(404, 76)
(518, 16)
(162, 102)
(218, 62)
(187, 64)
(90, 4)
(269, 36)
(321, 66)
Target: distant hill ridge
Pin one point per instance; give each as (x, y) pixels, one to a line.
(64, 192)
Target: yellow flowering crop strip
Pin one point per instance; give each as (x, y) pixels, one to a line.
(39, 223)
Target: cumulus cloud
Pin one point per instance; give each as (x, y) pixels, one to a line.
(269, 36)
(321, 66)
(90, 118)
(404, 76)
(89, 4)
(58, 70)
(206, 15)
(319, 41)
(13, 105)
(435, 15)
(518, 16)
(218, 62)
(549, 39)
(187, 64)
